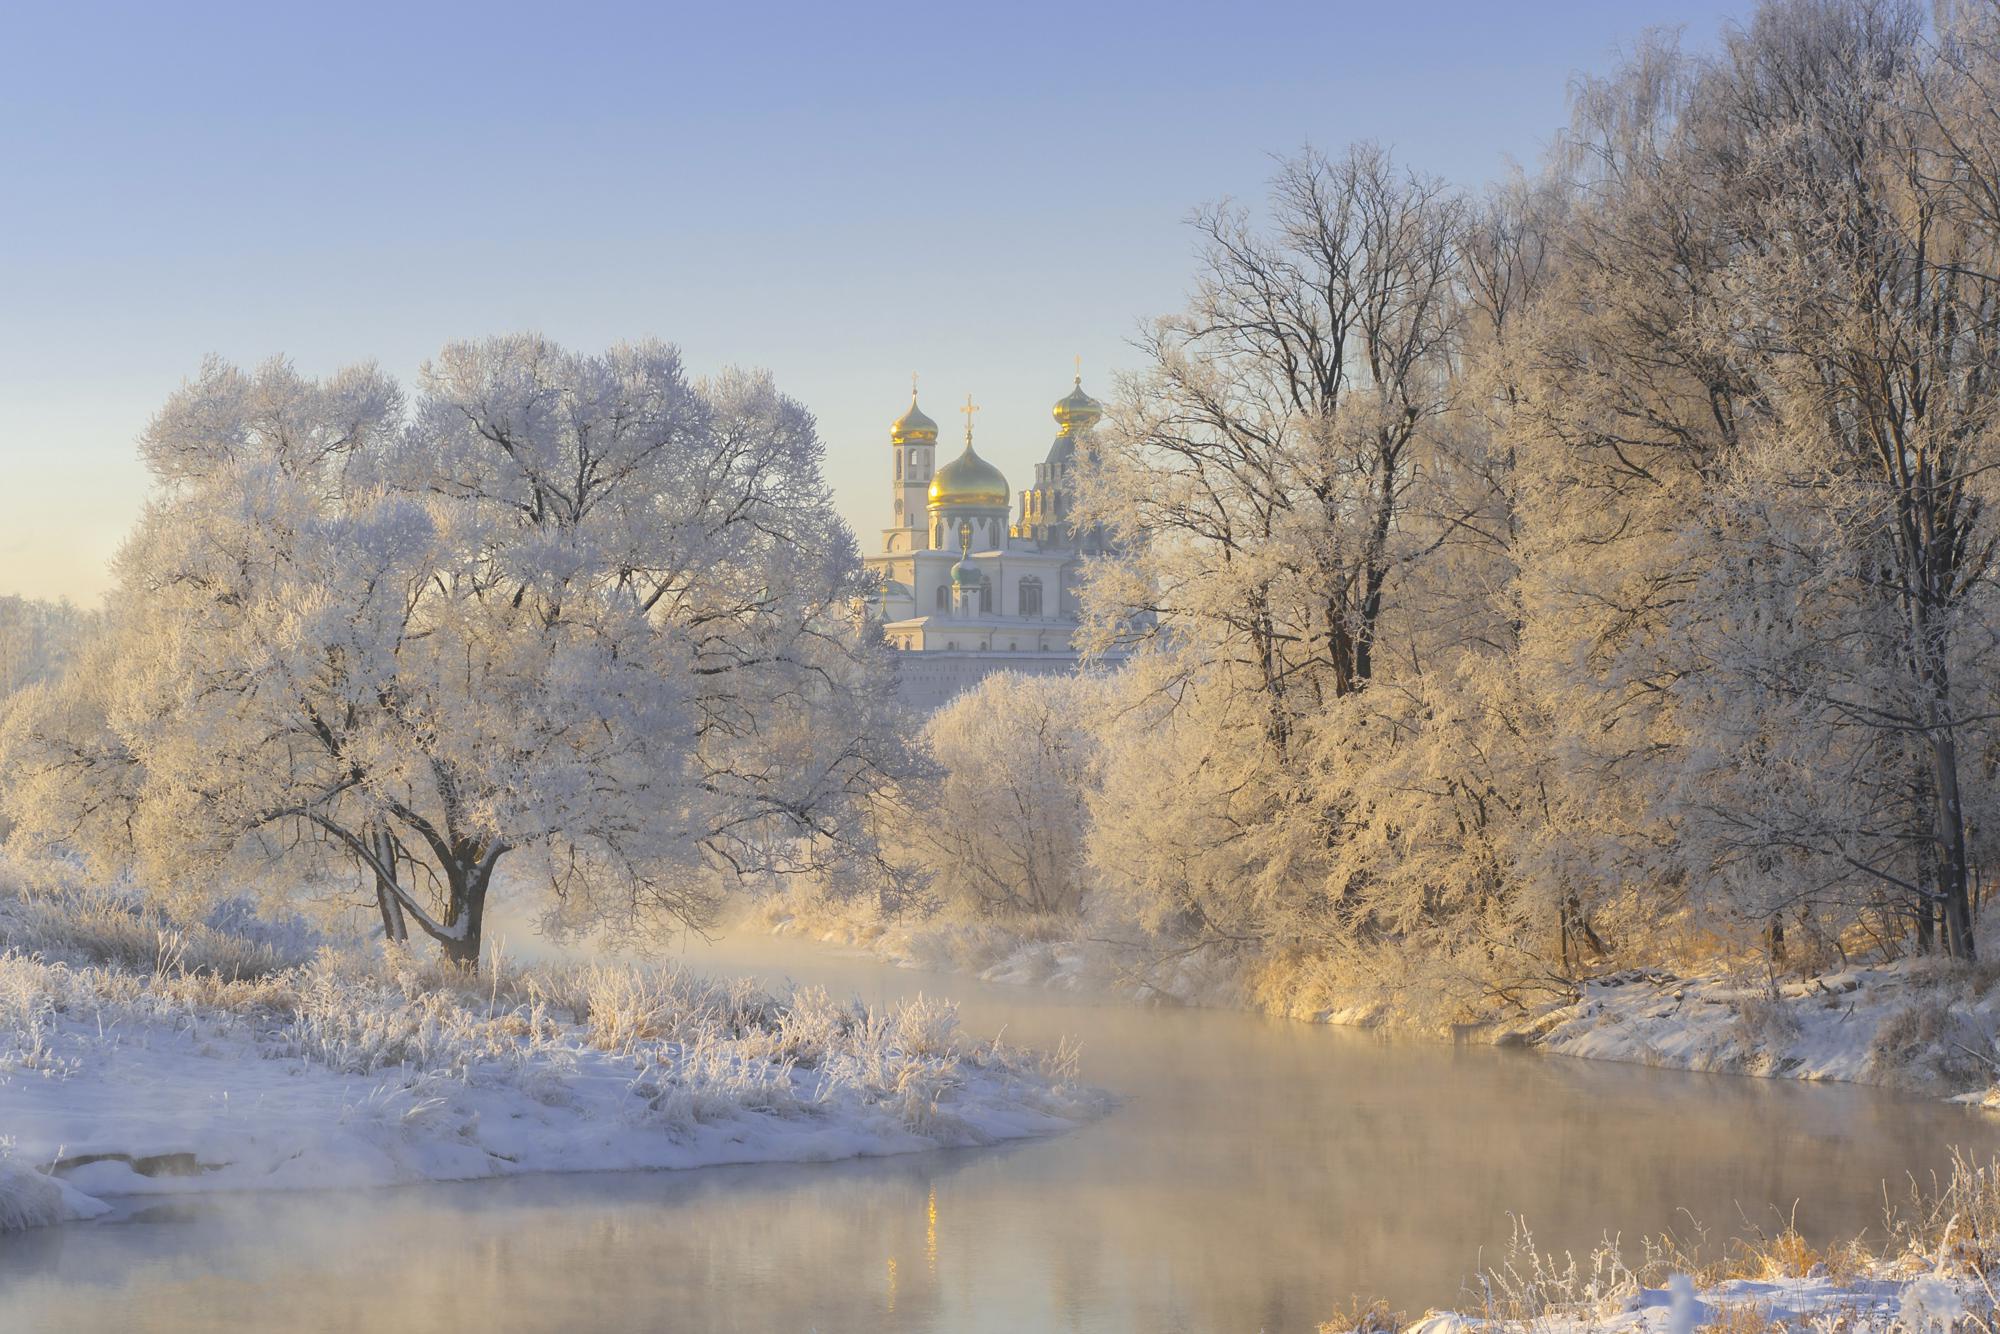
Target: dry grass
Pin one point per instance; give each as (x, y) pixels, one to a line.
(1942, 1242)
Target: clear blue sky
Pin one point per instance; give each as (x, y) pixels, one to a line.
(841, 193)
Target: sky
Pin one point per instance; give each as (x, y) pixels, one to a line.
(841, 193)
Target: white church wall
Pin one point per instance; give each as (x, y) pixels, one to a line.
(930, 680)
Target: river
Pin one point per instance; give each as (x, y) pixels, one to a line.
(1258, 1175)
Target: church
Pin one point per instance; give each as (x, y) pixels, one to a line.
(962, 591)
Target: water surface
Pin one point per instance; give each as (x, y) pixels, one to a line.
(1259, 1175)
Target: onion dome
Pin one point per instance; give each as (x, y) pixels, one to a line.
(967, 575)
(1076, 410)
(969, 482)
(913, 427)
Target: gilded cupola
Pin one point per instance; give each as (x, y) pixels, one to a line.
(1077, 411)
(913, 427)
(968, 481)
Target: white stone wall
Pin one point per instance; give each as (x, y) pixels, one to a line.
(928, 681)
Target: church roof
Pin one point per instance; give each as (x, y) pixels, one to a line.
(1076, 410)
(913, 426)
(969, 481)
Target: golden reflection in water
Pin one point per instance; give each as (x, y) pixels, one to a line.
(930, 1231)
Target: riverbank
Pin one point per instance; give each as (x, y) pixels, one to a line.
(1883, 1300)
(1930, 1272)
(1916, 1025)
(140, 1060)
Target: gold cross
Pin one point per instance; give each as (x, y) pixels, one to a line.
(913, 386)
(1079, 372)
(969, 408)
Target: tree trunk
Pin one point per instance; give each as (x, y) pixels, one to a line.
(1954, 873)
(468, 873)
(394, 928)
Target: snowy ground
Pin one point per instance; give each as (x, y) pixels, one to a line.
(1909, 1025)
(1930, 1270)
(350, 1070)
(1924, 1304)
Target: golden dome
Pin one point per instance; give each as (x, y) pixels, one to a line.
(913, 427)
(1076, 410)
(969, 482)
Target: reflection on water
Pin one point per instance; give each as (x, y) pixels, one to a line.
(1258, 1176)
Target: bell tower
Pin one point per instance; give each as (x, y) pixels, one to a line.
(913, 441)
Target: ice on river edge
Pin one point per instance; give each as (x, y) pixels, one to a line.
(352, 1071)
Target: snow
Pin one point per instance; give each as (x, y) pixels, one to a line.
(1909, 1025)
(1908, 1305)
(33, 1199)
(353, 1072)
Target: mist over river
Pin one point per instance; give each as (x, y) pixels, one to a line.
(1258, 1175)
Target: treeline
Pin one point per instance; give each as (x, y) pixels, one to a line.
(1596, 570)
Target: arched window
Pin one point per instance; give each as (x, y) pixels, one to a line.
(986, 599)
(944, 598)
(1031, 596)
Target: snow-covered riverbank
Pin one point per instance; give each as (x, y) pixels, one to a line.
(1917, 1025)
(1880, 1303)
(1930, 1269)
(349, 1070)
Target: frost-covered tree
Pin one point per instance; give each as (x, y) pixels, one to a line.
(38, 639)
(1004, 824)
(1679, 626)
(564, 608)
(1266, 480)
(1756, 449)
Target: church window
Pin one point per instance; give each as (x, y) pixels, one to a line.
(986, 600)
(899, 465)
(1031, 596)
(944, 595)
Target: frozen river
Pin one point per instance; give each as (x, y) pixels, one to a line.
(1258, 1176)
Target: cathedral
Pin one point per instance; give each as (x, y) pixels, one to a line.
(963, 591)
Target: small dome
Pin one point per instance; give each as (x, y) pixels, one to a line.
(1076, 410)
(969, 482)
(913, 427)
(966, 575)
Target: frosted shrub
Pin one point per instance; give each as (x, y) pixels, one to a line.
(711, 1078)
(1528, 1286)
(1931, 1046)
(1765, 1026)
(926, 1027)
(811, 1026)
(48, 908)
(357, 1028)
